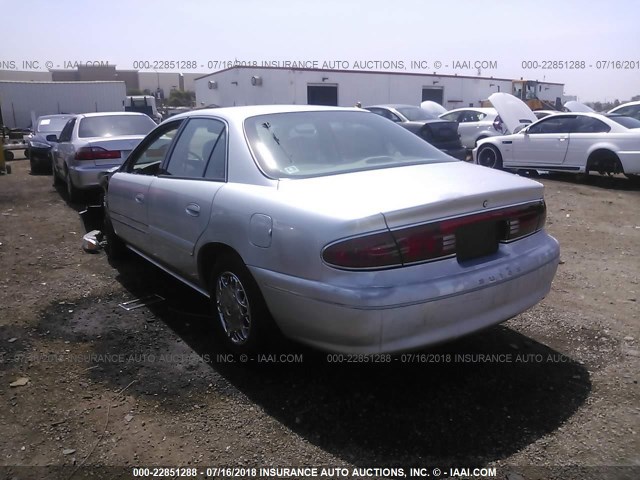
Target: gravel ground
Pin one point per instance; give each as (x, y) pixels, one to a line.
(552, 393)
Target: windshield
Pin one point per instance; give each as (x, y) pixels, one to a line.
(51, 124)
(313, 144)
(115, 125)
(415, 113)
(628, 122)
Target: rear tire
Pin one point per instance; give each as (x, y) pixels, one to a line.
(241, 319)
(489, 156)
(74, 195)
(56, 176)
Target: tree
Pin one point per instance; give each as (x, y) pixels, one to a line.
(180, 98)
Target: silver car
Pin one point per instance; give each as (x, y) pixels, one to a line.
(474, 124)
(92, 142)
(336, 227)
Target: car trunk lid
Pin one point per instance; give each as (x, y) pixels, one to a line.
(123, 144)
(411, 194)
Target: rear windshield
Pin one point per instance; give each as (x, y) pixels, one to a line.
(414, 114)
(115, 125)
(313, 144)
(51, 124)
(625, 121)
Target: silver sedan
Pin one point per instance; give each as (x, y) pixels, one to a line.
(334, 226)
(92, 142)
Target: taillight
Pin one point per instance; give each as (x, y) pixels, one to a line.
(432, 241)
(370, 251)
(497, 124)
(524, 221)
(425, 242)
(96, 153)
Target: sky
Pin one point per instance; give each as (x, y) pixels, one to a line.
(593, 48)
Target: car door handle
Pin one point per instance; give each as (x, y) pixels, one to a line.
(193, 209)
(562, 139)
(139, 198)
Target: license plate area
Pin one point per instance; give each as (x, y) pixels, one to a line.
(477, 240)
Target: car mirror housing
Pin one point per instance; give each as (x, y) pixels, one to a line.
(52, 138)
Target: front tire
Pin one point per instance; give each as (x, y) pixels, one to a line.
(115, 248)
(489, 156)
(240, 315)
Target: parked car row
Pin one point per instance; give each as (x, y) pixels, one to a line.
(335, 226)
(579, 142)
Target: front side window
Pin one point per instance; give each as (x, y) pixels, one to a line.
(194, 147)
(553, 124)
(148, 157)
(313, 144)
(471, 116)
(630, 111)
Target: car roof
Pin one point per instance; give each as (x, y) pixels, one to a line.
(475, 109)
(628, 104)
(392, 105)
(242, 112)
(109, 114)
(57, 115)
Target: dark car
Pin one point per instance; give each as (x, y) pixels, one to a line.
(38, 147)
(442, 134)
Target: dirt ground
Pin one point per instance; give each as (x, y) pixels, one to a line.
(549, 391)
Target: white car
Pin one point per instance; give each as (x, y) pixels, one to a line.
(544, 113)
(577, 142)
(474, 124)
(573, 106)
(631, 109)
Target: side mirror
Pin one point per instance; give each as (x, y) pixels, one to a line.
(521, 129)
(52, 138)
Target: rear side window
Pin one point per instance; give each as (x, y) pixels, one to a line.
(626, 121)
(589, 125)
(194, 147)
(451, 117)
(65, 135)
(115, 125)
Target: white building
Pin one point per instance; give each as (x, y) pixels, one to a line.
(273, 85)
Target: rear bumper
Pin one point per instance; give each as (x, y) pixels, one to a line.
(459, 153)
(423, 311)
(88, 176)
(40, 157)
